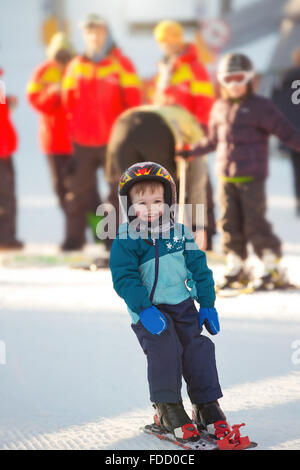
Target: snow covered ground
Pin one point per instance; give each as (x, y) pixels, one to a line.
(73, 375)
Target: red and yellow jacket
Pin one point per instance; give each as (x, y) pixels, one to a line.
(44, 95)
(96, 93)
(189, 85)
(8, 136)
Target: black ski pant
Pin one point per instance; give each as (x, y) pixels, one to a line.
(243, 219)
(7, 201)
(180, 351)
(296, 170)
(83, 196)
(58, 166)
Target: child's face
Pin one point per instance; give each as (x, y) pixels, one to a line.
(150, 205)
(236, 91)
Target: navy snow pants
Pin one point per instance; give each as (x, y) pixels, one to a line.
(180, 351)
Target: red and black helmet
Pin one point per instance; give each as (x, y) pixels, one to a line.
(148, 171)
(152, 171)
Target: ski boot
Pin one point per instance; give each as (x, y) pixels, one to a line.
(211, 418)
(11, 245)
(172, 418)
(273, 276)
(235, 275)
(72, 245)
(235, 281)
(274, 279)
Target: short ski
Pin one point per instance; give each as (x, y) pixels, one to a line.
(93, 266)
(195, 443)
(44, 261)
(236, 291)
(233, 441)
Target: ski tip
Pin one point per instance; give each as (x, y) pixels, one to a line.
(253, 445)
(244, 443)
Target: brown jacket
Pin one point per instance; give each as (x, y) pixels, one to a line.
(239, 132)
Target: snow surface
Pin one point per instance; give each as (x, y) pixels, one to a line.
(73, 375)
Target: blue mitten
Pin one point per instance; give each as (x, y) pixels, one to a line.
(209, 317)
(153, 320)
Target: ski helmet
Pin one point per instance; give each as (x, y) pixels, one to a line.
(147, 171)
(233, 63)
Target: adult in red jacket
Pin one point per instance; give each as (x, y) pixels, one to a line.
(8, 145)
(183, 80)
(44, 94)
(97, 87)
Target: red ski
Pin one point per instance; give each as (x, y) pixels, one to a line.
(232, 441)
(195, 443)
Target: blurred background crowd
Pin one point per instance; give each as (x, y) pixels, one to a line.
(54, 54)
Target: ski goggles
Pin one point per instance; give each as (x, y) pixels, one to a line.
(238, 78)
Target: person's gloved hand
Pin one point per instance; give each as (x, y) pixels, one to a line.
(209, 318)
(153, 320)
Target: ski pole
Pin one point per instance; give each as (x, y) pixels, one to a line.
(181, 162)
(181, 175)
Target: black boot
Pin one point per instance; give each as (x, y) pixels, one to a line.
(172, 417)
(11, 245)
(210, 416)
(72, 245)
(242, 278)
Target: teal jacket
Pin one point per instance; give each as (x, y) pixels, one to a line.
(148, 272)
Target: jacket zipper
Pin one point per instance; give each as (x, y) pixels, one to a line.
(156, 269)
